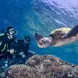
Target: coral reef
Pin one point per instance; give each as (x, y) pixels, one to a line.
(46, 66)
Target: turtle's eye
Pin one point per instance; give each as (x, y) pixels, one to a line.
(42, 40)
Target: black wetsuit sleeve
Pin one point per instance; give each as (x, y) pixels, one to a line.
(72, 32)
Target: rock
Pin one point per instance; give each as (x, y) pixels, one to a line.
(46, 66)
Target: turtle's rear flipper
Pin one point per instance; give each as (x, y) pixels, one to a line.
(71, 33)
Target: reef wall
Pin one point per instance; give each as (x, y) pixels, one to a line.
(46, 66)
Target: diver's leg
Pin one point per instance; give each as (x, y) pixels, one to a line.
(72, 32)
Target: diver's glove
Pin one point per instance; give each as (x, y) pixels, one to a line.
(11, 51)
(22, 54)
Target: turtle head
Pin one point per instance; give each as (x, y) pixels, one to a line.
(43, 42)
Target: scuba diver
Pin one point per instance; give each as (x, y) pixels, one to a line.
(26, 44)
(58, 37)
(26, 47)
(14, 50)
(6, 40)
(22, 46)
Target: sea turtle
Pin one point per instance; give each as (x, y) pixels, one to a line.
(58, 37)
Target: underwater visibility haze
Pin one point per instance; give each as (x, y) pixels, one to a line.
(42, 16)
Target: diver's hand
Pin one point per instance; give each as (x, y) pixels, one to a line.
(22, 54)
(12, 51)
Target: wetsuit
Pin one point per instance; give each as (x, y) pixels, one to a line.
(5, 45)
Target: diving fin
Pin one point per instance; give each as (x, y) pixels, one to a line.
(71, 33)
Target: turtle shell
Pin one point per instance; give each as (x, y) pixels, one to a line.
(60, 32)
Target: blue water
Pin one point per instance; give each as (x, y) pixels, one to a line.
(30, 16)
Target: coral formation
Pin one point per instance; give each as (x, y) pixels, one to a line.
(46, 66)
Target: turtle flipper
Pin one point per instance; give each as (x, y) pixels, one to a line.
(37, 36)
(72, 32)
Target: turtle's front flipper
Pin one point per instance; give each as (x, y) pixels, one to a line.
(71, 33)
(37, 36)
